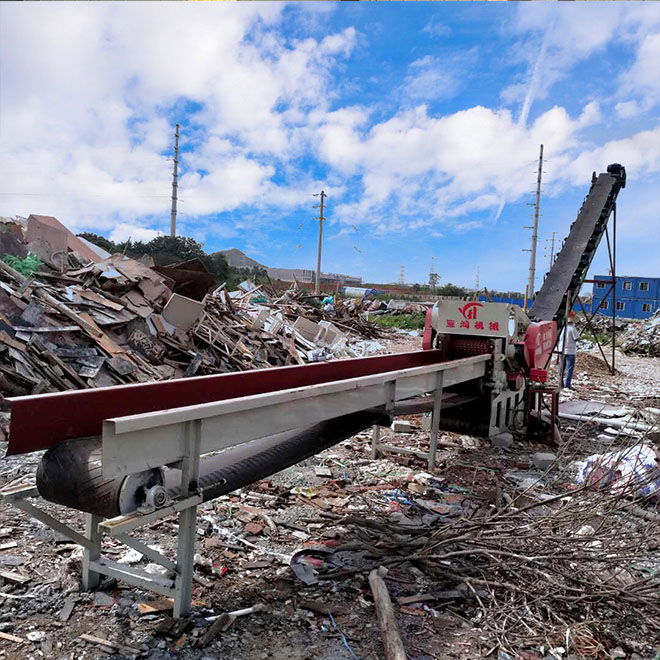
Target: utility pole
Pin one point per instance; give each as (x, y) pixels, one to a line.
(175, 182)
(552, 247)
(317, 286)
(535, 230)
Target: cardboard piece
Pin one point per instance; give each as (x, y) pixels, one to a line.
(182, 312)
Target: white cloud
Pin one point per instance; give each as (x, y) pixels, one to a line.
(639, 153)
(627, 109)
(90, 95)
(123, 231)
(562, 35)
(436, 28)
(432, 77)
(643, 79)
(419, 170)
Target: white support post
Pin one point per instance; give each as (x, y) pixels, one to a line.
(187, 521)
(435, 419)
(375, 441)
(389, 407)
(90, 578)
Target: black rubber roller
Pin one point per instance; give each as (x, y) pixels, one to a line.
(71, 474)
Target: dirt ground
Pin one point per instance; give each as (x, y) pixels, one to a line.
(245, 544)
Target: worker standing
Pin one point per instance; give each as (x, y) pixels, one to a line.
(570, 338)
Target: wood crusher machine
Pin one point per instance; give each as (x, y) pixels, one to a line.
(130, 455)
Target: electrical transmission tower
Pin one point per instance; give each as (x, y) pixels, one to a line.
(433, 277)
(402, 275)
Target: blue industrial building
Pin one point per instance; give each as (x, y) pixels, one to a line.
(635, 297)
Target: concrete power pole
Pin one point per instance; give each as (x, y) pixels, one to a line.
(175, 182)
(552, 248)
(321, 206)
(535, 231)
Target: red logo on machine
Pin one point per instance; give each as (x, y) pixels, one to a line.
(469, 311)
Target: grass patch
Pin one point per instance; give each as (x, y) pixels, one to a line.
(602, 337)
(414, 321)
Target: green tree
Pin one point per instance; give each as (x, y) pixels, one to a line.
(217, 264)
(169, 249)
(451, 290)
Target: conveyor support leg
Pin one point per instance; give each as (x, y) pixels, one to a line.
(187, 522)
(375, 440)
(90, 578)
(435, 419)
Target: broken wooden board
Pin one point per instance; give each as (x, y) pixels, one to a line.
(153, 606)
(107, 344)
(95, 297)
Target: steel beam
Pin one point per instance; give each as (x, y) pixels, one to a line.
(134, 576)
(138, 442)
(187, 520)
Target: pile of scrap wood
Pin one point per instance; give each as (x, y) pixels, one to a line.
(642, 337)
(346, 314)
(117, 320)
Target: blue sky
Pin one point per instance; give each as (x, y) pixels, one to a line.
(421, 121)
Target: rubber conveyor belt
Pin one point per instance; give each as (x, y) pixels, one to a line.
(570, 268)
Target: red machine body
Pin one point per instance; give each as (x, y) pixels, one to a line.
(539, 341)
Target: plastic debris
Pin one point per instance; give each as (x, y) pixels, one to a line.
(307, 563)
(635, 467)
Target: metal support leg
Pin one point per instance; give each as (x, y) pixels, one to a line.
(90, 578)
(435, 419)
(187, 522)
(375, 441)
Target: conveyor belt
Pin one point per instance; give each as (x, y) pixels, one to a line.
(570, 268)
(43, 420)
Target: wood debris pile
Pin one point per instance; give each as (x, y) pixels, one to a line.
(643, 337)
(574, 568)
(120, 320)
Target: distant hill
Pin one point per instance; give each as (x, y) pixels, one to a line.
(237, 259)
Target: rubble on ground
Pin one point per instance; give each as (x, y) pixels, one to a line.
(600, 323)
(642, 337)
(503, 550)
(117, 320)
(487, 551)
(284, 564)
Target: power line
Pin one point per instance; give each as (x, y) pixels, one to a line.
(23, 194)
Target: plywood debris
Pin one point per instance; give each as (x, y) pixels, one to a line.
(75, 324)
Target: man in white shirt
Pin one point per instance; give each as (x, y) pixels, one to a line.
(570, 337)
